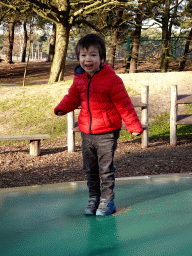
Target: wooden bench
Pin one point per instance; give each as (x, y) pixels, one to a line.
(141, 102)
(176, 119)
(34, 141)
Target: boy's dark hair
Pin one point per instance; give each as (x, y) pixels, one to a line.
(91, 40)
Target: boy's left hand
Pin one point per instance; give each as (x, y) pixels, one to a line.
(136, 133)
(59, 113)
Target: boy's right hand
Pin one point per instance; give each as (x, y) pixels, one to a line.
(59, 113)
(136, 133)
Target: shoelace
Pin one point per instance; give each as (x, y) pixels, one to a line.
(103, 204)
(92, 202)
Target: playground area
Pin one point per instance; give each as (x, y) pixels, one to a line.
(153, 192)
(56, 165)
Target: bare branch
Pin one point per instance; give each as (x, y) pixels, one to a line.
(8, 5)
(43, 6)
(4, 14)
(15, 8)
(97, 5)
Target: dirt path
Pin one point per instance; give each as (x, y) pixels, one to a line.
(160, 87)
(37, 73)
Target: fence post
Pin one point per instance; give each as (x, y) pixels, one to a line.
(144, 115)
(173, 116)
(70, 133)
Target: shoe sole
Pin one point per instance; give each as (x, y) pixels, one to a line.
(89, 213)
(99, 213)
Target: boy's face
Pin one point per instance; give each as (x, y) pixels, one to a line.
(89, 60)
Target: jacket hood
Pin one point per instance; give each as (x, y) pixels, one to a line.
(103, 68)
(79, 70)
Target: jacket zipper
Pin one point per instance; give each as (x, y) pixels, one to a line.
(89, 105)
(89, 82)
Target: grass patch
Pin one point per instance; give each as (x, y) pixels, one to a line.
(29, 110)
(131, 91)
(188, 109)
(31, 79)
(160, 128)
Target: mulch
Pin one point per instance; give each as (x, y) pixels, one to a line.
(56, 165)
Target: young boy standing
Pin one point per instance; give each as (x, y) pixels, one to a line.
(104, 103)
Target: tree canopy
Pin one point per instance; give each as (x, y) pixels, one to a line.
(114, 18)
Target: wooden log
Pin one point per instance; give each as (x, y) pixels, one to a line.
(25, 137)
(144, 115)
(35, 147)
(35, 141)
(173, 116)
(70, 133)
(184, 119)
(184, 99)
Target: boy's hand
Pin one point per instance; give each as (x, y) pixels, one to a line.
(136, 133)
(59, 113)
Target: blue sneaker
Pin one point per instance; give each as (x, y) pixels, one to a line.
(105, 208)
(92, 205)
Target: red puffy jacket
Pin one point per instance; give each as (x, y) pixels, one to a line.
(104, 102)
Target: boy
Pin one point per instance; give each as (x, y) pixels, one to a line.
(104, 103)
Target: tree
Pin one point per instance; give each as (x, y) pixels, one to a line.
(165, 13)
(168, 15)
(112, 24)
(25, 37)
(188, 23)
(186, 51)
(10, 17)
(141, 12)
(11, 27)
(115, 28)
(136, 40)
(65, 14)
(166, 36)
(13, 15)
(52, 44)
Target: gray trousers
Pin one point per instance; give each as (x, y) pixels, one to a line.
(98, 153)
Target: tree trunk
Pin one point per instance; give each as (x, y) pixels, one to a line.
(10, 42)
(52, 44)
(129, 49)
(116, 25)
(58, 65)
(128, 61)
(136, 43)
(185, 55)
(165, 38)
(113, 47)
(24, 42)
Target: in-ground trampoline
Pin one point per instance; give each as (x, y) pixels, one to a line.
(154, 217)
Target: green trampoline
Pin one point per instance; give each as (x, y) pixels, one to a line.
(154, 217)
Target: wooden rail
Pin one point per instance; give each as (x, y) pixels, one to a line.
(176, 119)
(34, 141)
(141, 102)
